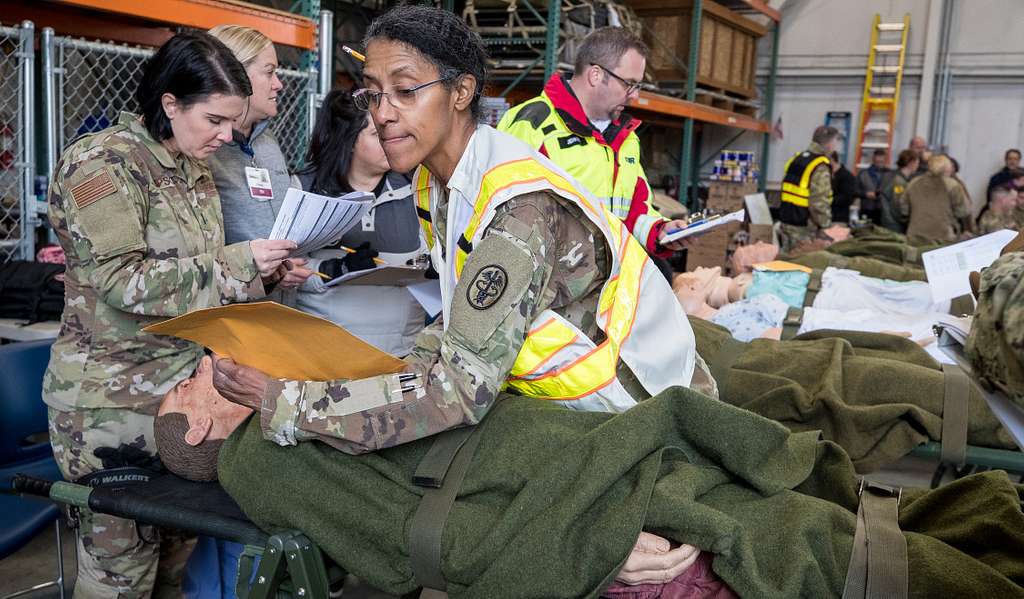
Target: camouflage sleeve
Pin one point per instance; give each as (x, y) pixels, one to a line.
(961, 204)
(819, 203)
(894, 190)
(106, 214)
(453, 375)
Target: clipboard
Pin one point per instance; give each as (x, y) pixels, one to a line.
(392, 276)
(703, 226)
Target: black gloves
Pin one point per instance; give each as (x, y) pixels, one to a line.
(360, 259)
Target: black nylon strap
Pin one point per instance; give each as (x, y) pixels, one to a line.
(445, 469)
(423, 214)
(954, 415)
(878, 564)
(813, 287)
(791, 324)
(464, 244)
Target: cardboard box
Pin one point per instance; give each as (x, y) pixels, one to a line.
(760, 233)
(724, 205)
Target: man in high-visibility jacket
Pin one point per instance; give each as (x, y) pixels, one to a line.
(579, 124)
(806, 206)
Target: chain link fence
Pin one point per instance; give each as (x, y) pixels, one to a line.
(295, 113)
(95, 81)
(16, 160)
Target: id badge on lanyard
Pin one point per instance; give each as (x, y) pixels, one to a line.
(258, 180)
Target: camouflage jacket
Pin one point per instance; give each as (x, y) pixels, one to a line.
(995, 345)
(554, 257)
(936, 207)
(144, 239)
(993, 221)
(819, 202)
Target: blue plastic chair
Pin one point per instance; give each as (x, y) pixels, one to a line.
(25, 448)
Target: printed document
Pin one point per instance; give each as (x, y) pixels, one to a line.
(314, 221)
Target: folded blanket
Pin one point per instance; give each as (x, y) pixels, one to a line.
(878, 396)
(867, 266)
(554, 500)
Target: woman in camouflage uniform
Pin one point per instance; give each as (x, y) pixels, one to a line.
(138, 216)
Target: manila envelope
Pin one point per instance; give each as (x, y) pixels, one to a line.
(781, 266)
(281, 341)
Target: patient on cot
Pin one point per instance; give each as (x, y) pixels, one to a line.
(194, 420)
(755, 305)
(554, 500)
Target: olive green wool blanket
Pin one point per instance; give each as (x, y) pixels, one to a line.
(554, 500)
(867, 266)
(878, 396)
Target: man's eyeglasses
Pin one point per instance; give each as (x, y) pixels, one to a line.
(366, 99)
(631, 86)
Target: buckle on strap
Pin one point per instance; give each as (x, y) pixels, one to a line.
(880, 490)
(794, 317)
(814, 284)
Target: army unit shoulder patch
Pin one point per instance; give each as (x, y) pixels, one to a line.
(93, 189)
(487, 287)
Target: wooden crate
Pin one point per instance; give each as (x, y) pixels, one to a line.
(727, 57)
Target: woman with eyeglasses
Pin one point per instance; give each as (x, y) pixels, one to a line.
(544, 293)
(250, 170)
(345, 155)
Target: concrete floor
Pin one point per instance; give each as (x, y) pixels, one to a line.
(36, 562)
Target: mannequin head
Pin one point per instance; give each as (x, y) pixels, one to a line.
(192, 423)
(703, 290)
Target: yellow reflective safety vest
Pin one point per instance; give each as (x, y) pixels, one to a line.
(606, 162)
(796, 187)
(644, 325)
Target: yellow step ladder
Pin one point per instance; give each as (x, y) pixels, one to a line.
(882, 84)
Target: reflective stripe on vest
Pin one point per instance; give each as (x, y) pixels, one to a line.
(558, 361)
(423, 205)
(597, 368)
(796, 184)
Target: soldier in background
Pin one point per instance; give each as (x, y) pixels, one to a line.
(935, 204)
(138, 216)
(893, 186)
(807, 191)
(1001, 213)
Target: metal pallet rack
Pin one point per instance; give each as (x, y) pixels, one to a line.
(668, 110)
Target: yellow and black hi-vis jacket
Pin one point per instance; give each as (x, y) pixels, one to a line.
(796, 186)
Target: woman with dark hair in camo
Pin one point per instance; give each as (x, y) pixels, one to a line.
(138, 216)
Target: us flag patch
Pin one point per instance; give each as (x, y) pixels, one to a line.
(93, 189)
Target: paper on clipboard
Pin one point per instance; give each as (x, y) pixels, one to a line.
(757, 208)
(948, 267)
(704, 226)
(314, 221)
(281, 341)
(394, 276)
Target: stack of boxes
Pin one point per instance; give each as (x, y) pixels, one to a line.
(734, 166)
(492, 109)
(733, 177)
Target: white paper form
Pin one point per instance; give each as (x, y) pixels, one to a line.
(948, 268)
(314, 221)
(704, 226)
(428, 294)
